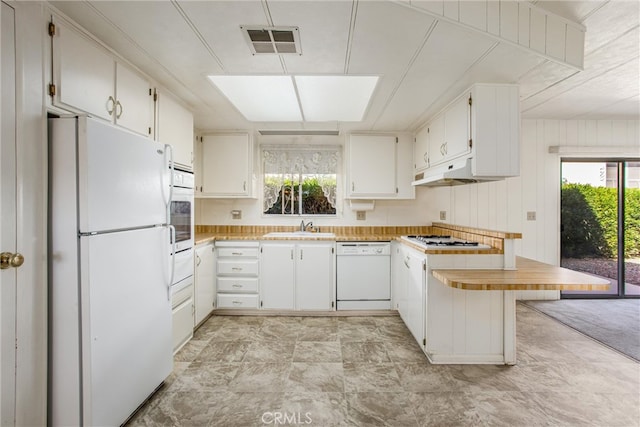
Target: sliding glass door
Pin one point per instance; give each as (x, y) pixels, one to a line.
(600, 224)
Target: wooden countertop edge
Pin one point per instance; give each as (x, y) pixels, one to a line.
(529, 275)
(204, 238)
(480, 231)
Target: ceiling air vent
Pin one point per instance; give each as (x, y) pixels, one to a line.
(272, 40)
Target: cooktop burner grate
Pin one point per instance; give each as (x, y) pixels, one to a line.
(435, 240)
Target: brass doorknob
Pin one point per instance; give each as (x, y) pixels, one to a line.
(8, 259)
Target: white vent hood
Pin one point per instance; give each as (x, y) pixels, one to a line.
(457, 172)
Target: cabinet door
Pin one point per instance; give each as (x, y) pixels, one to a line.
(415, 297)
(134, 101)
(225, 165)
(315, 277)
(372, 166)
(175, 127)
(398, 281)
(421, 150)
(436, 140)
(83, 72)
(197, 165)
(204, 282)
(276, 276)
(456, 128)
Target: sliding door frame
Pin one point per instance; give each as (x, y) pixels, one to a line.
(621, 163)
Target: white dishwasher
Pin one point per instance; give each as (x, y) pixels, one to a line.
(363, 276)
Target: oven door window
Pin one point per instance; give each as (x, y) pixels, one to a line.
(181, 219)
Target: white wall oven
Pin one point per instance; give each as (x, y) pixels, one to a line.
(181, 209)
(181, 218)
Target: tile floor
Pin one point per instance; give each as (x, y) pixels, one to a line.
(366, 371)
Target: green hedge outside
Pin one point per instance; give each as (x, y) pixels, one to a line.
(589, 218)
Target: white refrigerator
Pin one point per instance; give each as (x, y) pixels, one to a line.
(109, 284)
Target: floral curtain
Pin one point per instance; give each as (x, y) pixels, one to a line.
(280, 161)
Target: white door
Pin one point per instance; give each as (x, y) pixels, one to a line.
(421, 149)
(175, 127)
(83, 72)
(436, 140)
(372, 165)
(204, 282)
(8, 242)
(277, 276)
(457, 128)
(126, 322)
(134, 101)
(225, 165)
(314, 277)
(416, 301)
(123, 177)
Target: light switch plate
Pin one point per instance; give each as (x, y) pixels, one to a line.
(361, 215)
(531, 216)
(443, 215)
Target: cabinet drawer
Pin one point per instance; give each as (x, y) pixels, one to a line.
(237, 252)
(237, 301)
(238, 267)
(232, 284)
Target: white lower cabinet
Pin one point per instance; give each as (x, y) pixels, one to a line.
(451, 325)
(277, 276)
(416, 302)
(409, 290)
(205, 282)
(182, 315)
(464, 326)
(237, 269)
(297, 276)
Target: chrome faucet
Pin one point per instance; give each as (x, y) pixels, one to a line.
(303, 226)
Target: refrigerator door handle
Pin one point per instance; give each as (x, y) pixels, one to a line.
(172, 232)
(169, 149)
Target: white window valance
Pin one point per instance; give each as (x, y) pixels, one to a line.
(280, 161)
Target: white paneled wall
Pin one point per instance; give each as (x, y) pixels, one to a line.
(503, 205)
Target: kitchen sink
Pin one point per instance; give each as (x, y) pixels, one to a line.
(285, 234)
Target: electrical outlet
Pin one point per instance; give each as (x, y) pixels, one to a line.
(531, 216)
(443, 215)
(236, 214)
(361, 215)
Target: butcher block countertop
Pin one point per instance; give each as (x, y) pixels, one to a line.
(208, 233)
(529, 275)
(207, 237)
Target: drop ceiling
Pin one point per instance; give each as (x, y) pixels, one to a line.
(423, 60)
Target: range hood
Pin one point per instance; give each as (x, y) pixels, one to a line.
(457, 172)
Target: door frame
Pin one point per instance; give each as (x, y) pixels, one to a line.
(31, 213)
(620, 177)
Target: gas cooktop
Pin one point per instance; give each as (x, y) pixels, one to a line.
(442, 241)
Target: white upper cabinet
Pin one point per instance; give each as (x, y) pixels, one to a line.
(376, 167)
(495, 130)
(227, 165)
(175, 127)
(449, 131)
(482, 124)
(371, 169)
(87, 78)
(134, 101)
(421, 149)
